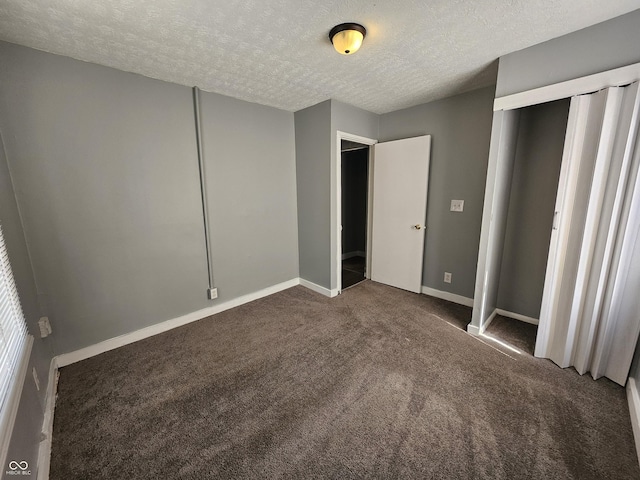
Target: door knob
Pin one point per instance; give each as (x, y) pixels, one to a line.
(417, 227)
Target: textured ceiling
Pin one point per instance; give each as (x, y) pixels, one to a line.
(276, 52)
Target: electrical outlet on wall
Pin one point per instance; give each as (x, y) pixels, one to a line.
(447, 277)
(45, 327)
(457, 205)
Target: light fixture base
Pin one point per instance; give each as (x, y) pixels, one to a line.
(347, 37)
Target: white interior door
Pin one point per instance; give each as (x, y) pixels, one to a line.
(400, 180)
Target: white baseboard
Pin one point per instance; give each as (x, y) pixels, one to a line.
(473, 330)
(319, 289)
(633, 397)
(348, 255)
(477, 331)
(93, 350)
(452, 297)
(517, 316)
(488, 321)
(44, 452)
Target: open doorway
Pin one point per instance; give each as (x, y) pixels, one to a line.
(536, 165)
(352, 143)
(586, 275)
(354, 211)
(392, 222)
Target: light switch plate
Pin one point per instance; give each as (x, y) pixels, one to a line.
(457, 205)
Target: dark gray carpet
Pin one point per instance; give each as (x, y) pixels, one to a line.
(376, 383)
(518, 334)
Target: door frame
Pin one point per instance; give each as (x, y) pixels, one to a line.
(337, 241)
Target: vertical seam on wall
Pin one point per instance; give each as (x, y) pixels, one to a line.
(203, 188)
(20, 217)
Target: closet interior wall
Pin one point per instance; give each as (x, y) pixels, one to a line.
(534, 185)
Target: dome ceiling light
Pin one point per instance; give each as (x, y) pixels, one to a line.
(347, 37)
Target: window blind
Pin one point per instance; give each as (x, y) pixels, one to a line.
(13, 335)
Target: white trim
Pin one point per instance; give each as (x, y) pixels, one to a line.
(498, 311)
(504, 128)
(356, 138)
(367, 268)
(352, 149)
(451, 297)
(577, 86)
(112, 343)
(358, 253)
(491, 318)
(319, 289)
(517, 316)
(44, 452)
(473, 330)
(633, 397)
(13, 400)
(340, 135)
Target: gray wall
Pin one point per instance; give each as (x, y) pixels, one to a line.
(105, 169)
(534, 185)
(347, 119)
(313, 179)
(106, 177)
(602, 47)
(461, 128)
(249, 153)
(354, 200)
(316, 130)
(25, 441)
(353, 120)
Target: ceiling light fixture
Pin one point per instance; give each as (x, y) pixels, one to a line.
(347, 37)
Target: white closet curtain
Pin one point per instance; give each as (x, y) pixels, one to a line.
(590, 316)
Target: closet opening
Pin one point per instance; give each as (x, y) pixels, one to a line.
(589, 310)
(354, 211)
(537, 159)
